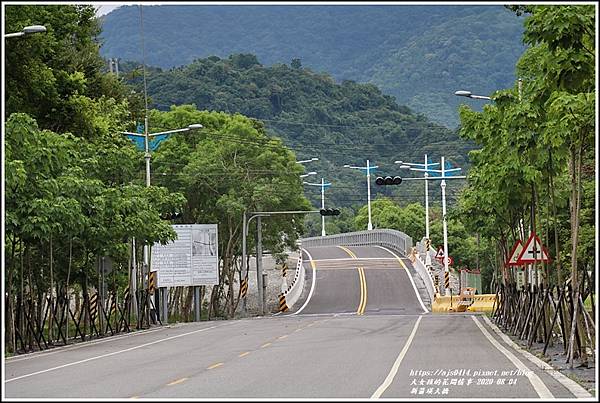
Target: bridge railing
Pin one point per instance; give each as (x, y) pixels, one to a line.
(390, 238)
(385, 237)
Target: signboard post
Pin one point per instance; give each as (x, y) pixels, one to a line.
(191, 260)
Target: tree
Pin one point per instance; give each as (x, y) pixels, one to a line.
(229, 167)
(537, 144)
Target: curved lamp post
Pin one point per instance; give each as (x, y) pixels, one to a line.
(310, 160)
(32, 29)
(468, 94)
(308, 174)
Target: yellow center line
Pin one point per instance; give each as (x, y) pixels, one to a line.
(361, 309)
(134, 397)
(282, 337)
(297, 330)
(265, 345)
(244, 354)
(177, 381)
(363, 284)
(215, 365)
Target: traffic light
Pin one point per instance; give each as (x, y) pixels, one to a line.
(388, 180)
(170, 216)
(329, 211)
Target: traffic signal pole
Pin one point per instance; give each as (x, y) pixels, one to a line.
(368, 172)
(260, 278)
(323, 185)
(322, 206)
(370, 224)
(443, 178)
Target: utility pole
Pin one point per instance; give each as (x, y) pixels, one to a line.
(259, 274)
(368, 172)
(443, 178)
(446, 252)
(323, 185)
(259, 278)
(426, 165)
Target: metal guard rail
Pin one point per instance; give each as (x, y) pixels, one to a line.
(385, 237)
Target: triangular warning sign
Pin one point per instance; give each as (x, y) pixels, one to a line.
(533, 251)
(514, 254)
(440, 253)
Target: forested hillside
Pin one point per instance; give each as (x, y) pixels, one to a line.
(418, 54)
(340, 124)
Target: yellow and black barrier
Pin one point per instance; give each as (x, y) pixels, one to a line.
(93, 307)
(244, 287)
(151, 282)
(445, 303)
(282, 304)
(482, 303)
(284, 270)
(446, 280)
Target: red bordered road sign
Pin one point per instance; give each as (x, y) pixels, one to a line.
(533, 251)
(514, 254)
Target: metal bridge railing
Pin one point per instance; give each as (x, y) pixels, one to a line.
(385, 237)
(393, 239)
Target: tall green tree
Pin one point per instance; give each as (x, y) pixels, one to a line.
(228, 167)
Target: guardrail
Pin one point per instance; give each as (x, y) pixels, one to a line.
(289, 297)
(385, 237)
(423, 272)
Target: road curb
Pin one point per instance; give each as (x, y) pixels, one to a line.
(577, 390)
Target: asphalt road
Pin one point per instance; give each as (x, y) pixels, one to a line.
(324, 348)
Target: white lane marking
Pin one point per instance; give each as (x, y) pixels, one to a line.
(573, 387)
(314, 280)
(425, 310)
(388, 380)
(536, 382)
(79, 345)
(113, 353)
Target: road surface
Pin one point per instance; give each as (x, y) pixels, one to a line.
(360, 331)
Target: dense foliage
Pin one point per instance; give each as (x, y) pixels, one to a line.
(418, 54)
(75, 186)
(338, 123)
(534, 170)
(229, 166)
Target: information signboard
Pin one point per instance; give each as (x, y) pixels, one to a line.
(191, 260)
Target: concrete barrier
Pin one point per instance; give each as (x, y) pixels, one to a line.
(289, 297)
(422, 271)
(481, 303)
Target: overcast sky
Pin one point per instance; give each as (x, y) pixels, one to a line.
(105, 9)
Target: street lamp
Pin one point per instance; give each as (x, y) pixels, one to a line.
(469, 95)
(443, 171)
(146, 137)
(308, 174)
(310, 160)
(32, 29)
(426, 165)
(323, 186)
(368, 172)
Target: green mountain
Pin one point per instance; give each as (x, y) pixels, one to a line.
(418, 54)
(345, 123)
